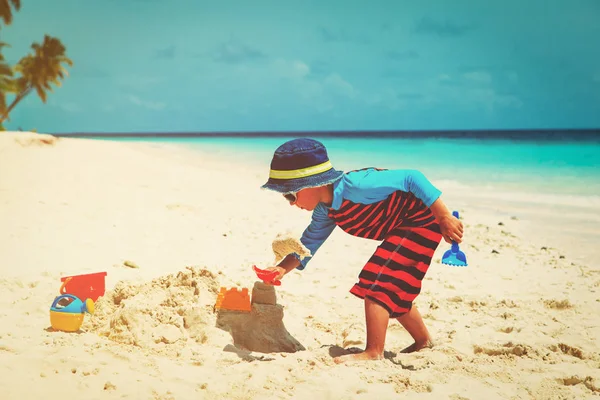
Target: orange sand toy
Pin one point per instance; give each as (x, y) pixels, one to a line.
(233, 299)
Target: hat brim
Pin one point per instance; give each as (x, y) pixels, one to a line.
(295, 185)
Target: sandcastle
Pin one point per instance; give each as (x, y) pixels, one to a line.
(256, 324)
(261, 329)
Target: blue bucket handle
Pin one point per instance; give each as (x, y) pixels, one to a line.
(63, 296)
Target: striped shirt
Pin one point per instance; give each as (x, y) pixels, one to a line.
(377, 198)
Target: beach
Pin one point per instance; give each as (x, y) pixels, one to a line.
(519, 322)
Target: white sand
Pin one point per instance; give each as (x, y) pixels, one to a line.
(522, 323)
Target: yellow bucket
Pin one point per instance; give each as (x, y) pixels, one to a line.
(68, 322)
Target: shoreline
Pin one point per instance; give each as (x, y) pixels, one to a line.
(547, 212)
(564, 190)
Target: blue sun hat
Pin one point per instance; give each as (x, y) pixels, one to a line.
(299, 164)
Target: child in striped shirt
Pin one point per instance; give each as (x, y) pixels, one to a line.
(400, 208)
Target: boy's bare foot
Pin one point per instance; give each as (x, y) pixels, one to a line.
(362, 356)
(418, 346)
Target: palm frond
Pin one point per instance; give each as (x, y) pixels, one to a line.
(37, 71)
(6, 12)
(44, 66)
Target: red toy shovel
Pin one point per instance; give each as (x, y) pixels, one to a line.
(266, 276)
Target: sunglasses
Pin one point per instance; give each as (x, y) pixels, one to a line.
(290, 197)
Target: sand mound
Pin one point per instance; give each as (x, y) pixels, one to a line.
(176, 311)
(162, 315)
(285, 244)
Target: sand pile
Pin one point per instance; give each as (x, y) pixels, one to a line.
(286, 243)
(163, 315)
(176, 311)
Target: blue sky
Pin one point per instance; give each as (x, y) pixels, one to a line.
(192, 65)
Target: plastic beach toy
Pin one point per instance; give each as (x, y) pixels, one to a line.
(454, 256)
(266, 276)
(69, 317)
(84, 286)
(233, 300)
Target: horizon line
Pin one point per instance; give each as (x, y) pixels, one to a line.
(571, 133)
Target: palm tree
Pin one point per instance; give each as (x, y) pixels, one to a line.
(5, 79)
(6, 15)
(5, 10)
(38, 70)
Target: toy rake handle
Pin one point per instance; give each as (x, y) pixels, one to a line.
(454, 244)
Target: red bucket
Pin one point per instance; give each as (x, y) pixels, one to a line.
(86, 286)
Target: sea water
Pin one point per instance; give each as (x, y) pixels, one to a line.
(564, 171)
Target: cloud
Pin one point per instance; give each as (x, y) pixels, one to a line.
(67, 106)
(596, 77)
(512, 76)
(157, 106)
(302, 73)
(341, 36)
(478, 77)
(387, 98)
(70, 107)
(395, 60)
(386, 26)
(87, 71)
(472, 88)
(167, 53)
(291, 69)
(443, 78)
(138, 81)
(396, 55)
(340, 86)
(410, 96)
(503, 74)
(234, 53)
(467, 78)
(446, 28)
(320, 68)
(321, 92)
(490, 99)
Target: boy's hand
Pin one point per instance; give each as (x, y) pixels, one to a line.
(288, 264)
(280, 273)
(452, 229)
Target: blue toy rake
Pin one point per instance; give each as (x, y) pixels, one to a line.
(454, 256)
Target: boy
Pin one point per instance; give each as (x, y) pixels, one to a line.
(401, 208)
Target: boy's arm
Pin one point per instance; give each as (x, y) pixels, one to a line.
(439, 209)
(313, 237)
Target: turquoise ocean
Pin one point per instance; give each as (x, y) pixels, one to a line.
(566, 168)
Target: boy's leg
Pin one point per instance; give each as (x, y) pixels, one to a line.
(397, 267)
(377, 319)
(413, 323)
